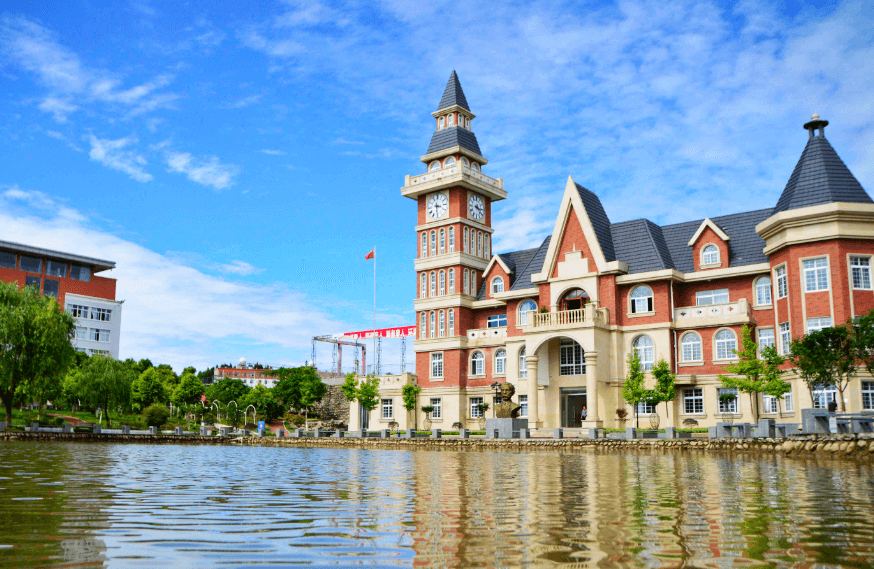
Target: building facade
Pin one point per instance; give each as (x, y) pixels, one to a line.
(73, 281)
(559, 320)
(246, 373)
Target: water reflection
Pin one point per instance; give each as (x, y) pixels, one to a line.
(145, 506)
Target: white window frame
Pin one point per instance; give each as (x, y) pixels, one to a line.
(688, 343)
(868, 395)
(424, 319)
(433, 324)
(387, 405)
(817, 324)
(78, 310)
(479, 244)
(787, 401)
(441, 123)
(433, 243)
(815, 273)
(860, 272)
(449, 162)
(98, 335)
(475, 412)
(499, 321)
(441, 317)
(437, 404)
(693, 398)
(424, 244)
(785, 338)
(435, 165)
(766, 337)
(644, 347)
(466, 241)
(645, 408)
(572, 358)
(451, 281)
(451, 319)
(710, 297)
(641, 299)
(725, 406)
(487, 246)
(723, 348)
(466, 284)
(523, 314)
(433, 284)
(442, 241)
(823, 395)
(523, 363)
(442, 282)
(764, 293)
(523, 405)
(477, 363)
(424, 286)
(101, 314)
(452, 240)
(782, 281)
(436, 364)
(709, 254)
(500, 361)
(497, 285)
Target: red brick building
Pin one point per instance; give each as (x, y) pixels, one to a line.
(559, 320)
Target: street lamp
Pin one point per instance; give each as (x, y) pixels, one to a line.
(497, 397)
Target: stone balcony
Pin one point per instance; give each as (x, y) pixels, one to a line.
(713, 314)
(457, 174)
(483, 336)
(566, 319)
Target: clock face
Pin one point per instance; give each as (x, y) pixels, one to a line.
(438, 205)
(476, 208)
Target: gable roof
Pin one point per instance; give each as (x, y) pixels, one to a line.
(820, 177)
(518, 262)
(642, 245)
(453, 95)
(453, 136)
(600, 221)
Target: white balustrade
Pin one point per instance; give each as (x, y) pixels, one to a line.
(713, 313)
(570, 318)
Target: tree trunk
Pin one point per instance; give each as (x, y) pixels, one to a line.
(843, 405)
(636, 418)
(7, 402)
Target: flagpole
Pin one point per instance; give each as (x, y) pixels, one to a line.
(374, 309)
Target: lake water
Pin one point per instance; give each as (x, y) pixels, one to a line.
(85, 505)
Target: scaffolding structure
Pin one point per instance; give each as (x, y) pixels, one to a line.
(337, 353)
(347, 339)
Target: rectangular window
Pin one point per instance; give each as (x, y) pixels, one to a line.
(451, 281)
(769, 404)
(388, 409)
(51, 288)
(99, 335)
(466, 284)
(442, 283)
(868, 395)
(56, 269)
(424, 244)
(693, 401)
(424, 287)
(466, 244)
(785, 338)
(451, 323)
(861, 267)
(728, 405)
(787, 400)
(102, 314)
(35, 282)
(479, 244)
(782, 283)
(452, 240)
(486, 240)
(437, 365)
(473, 290)
(571, 359)
(30, 264)
(497, 321)
(644, 408)
(475, 413)
(719, 296)
(433, 243)
(815, 274)
(424, 333)
(80, 273)
(823, 396)
(7, 260)
(77, 310)
(817, 324)
(437, 404)
(81, 333)
(442, 241)
(766, 338)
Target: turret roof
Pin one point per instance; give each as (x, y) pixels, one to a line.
(453, 95)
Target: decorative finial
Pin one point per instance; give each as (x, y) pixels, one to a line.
(816, 123)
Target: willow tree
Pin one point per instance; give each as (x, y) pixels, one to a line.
(35, 346)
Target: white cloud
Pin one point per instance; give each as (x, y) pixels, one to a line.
(341, 140)
(112, 154)
(172, 312)
(245, 102)
(238, 267)
(207, 171)
(273, 152)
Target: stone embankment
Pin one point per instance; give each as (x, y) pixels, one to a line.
(855, 447)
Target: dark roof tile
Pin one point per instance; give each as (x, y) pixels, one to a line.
(453, 136)
(453, 95)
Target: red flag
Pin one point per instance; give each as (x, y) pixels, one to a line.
(369, 255)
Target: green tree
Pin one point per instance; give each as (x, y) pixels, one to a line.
(299, 387)
(754, 375)
(665, 387)
(264, 402)
(144, 364)
(228, 389)
(188, 391)
(156, 415)
(633, 390)
(410, 396)
(189, 369)
(35, 347)
(825, 357)
(106, 383)
(863, 341)
(149, 389)
(350, 388)
(365, 392)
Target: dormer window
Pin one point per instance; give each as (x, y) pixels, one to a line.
(497, 285)
(435, 165)
(449, 162)
(710, 255)
(440, 123)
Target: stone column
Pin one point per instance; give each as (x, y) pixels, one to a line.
(592, 386)
(533, 398)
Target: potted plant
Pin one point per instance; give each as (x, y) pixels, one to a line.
(622, 416)
(427, 422)
(544, 309)
(483, 407)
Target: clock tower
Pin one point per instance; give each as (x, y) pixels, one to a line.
(453, 240)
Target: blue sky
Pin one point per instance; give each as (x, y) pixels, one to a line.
(238, 160)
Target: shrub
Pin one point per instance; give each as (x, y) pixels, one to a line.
(156, 415)
(297, 420)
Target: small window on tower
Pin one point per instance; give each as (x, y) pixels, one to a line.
(465, 161)
(449, 162)
(450, 120)
(474, 165)
(440, 123)
(434, 166)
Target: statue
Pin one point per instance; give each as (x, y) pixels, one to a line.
(506, 409)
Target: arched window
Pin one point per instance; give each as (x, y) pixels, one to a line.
(451, 281)
(452, 240)
(467, 122)
(763, 291)
(473, 290)
(450, 119)
(466, 283)
(523, 363)
(501, 361)
(497, 285)
(479, 244)
(690, 347)
(433, 325)
(486, 240)
(645, 350)
(435, 165)
(451, 322)
(424, 290)
(474, 165)
(710, 255)
(449, 162)
(433, 283)
(574, 299)
(641, 300)
(465, 161)
(726, 343)
(524, 309)
(424, 333)
(441, 122)
(442, 282)
(442, 325)
(466, 245)
(442, 241)
(572, 360)
(478, 364)
(433, 242)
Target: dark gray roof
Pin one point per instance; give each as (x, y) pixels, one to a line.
(96, 265)
(820, 177)
(599, 220)
(641, 244)
(453, 136)
(453, 95)
(529, 262)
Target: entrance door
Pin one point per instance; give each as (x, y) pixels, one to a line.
(365, 418)
(572, 408)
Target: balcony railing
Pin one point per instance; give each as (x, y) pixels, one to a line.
(487, 333)
(724, 313)
(458, 169)
(570, 318)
